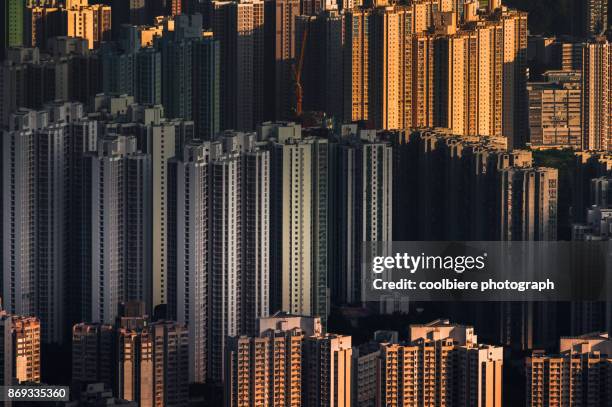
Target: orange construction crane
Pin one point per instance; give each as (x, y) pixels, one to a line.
(297, 74)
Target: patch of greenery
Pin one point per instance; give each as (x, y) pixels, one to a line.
(563, 160)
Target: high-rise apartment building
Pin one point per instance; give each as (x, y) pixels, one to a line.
(148, 77)
(35, 249)
(19, 221)
(470, 67)
(597, 226)
(26, 348)
(188, 234)
(161, 142)
(206, 106)
(177, 65)
(52, 208)
(142, 362)
(93, 353)
(391, 67)
(514, 103)
(225, 262)
(597, 95)
(365, 364)
(239, 28)
(567, 55)
(171, 349)
(152, 364)
(480, 75)
(191, 74)
(239, 245)
(111, 184)
(422, 82)
(362, 197)
(265, 370)
(16, 76)
(137, 280)
(174, 7)
(131, 70)
(580, 374)
(92, 22)
(84, 141)
(176, 78)
(488, 84)
(591, 18)
(356, 64)
(41, 23)
(528, 212)
(20, 345)
(601, 192)
(133, 12)
(322, 70)
(555, 110)
(280, 39)
(12, 13)
(106, 177)
(531, 194)
(299, 220)
(327, 371)
(255, 284)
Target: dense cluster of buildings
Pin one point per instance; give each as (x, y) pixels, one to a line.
(460, 65)
(187, 187)
(581, 373)
(140, 360)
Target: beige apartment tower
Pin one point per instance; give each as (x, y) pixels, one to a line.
(357, 64)
(391, 94)
(471, 72)
(489, 79)
(597, 95)
(481, 77)
(92, 22)
(389, 66)
(135, 363)
(152, 364)
(20, 346)
(265, 370)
